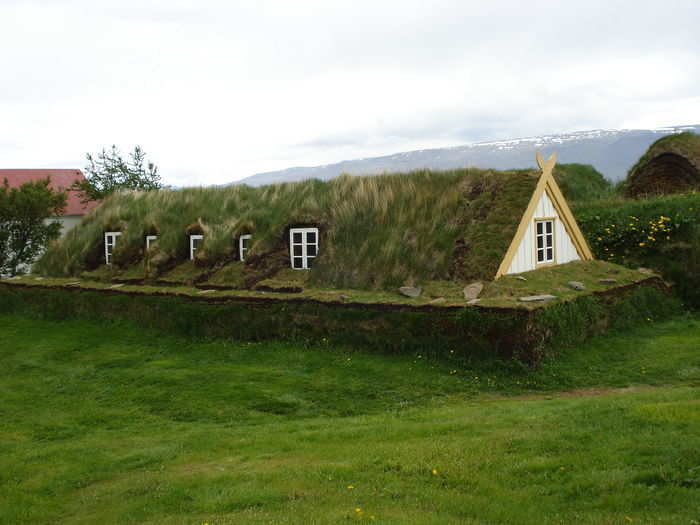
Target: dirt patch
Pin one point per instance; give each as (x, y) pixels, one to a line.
(579, 392)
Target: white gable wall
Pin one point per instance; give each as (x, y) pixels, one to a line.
(565, 251)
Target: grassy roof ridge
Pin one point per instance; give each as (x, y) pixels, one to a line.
(378, 230)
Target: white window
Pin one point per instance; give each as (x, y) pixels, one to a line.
(195, 243)
(110, 243)
(303, 247)
(149, 240)
(243, 245)
(544, 238)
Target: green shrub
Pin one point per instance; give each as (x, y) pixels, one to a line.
(662, 233)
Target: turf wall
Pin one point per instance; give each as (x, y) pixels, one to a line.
(472, 332)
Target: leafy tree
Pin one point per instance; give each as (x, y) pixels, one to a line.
(109, 172)
(25, 228)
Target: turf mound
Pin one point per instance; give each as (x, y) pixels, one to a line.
(375, 232)
(670, 165)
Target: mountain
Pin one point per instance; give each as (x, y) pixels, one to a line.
(612, 152)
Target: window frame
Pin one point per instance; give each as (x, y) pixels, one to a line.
(545, 261)
(305, 257)
(194, 237)
(149, 239)
(241, 250)
(108, 253)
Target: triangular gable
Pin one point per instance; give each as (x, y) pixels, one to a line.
(547, 184)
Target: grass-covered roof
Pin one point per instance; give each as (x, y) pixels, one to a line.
(670, 165)
(376, 231)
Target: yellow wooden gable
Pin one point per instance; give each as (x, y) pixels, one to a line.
(546, 185)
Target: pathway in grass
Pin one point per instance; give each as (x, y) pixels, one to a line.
(112, 424)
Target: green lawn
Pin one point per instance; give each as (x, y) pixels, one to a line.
(111, 424)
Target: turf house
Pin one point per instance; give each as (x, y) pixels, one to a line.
(373, 233)
(670, 165)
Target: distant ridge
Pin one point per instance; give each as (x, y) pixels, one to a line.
(612, 152)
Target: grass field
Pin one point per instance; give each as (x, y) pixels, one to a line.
(111, 424)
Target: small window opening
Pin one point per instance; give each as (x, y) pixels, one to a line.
(195, 244)
(110, 243)
(244, 245)
(303, 247)
(544, 235)
(150, 239)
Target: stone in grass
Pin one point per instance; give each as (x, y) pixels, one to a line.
(473, 290)
(205, 291)
(38, 278)
(119, 285)
(345, 297)
(473, 302)
(576, 285)
(607, 281)
(647, 271)
(74, 283)
(520, 278)
(438, 300)
(410, 291)
(536, 298)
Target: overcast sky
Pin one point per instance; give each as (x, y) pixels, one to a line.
(216, 91)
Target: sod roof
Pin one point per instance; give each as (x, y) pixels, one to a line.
(376, 232)
(670, 165)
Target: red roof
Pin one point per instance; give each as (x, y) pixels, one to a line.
(60, 180)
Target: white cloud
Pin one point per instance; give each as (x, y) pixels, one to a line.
(215, 91)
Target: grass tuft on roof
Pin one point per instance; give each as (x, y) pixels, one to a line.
(376, 231)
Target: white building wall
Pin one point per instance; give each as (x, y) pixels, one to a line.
(68, 222)
(565, 251)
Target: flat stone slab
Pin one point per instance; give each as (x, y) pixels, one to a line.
(410, 291)
(205, 291)
(520, 278)
(472, 291)
(607, 281)
(438, 300)
(473, 302)
(117, 285)
(74, 283)
(38, 278)
(576, 285)
(647, 271)
(536, 298)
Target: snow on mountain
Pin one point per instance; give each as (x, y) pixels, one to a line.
(610, 151)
